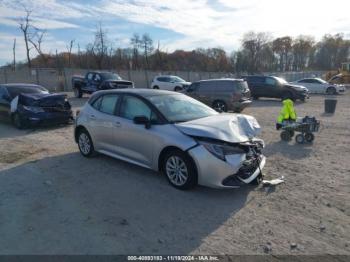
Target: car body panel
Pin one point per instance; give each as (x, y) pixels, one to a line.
(143, 145)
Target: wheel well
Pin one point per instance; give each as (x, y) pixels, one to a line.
(167, 150)
(76, 132)
(155, 87)
(77, 85)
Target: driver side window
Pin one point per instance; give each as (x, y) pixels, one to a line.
(133, 106)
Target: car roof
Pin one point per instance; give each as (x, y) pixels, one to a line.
(19, 85)
(167, 76)
(144, 92)
(222, 79)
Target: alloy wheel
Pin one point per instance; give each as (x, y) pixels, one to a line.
(84, 143)
(176, 170)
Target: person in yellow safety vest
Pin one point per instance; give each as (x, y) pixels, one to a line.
(287, 113)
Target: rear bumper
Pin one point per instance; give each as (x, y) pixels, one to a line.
(215, 173)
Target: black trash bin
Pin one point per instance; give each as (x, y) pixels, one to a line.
(330, 105)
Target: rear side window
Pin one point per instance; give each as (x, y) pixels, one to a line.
(108, 104)
(97, 103)
(241, 86)
(217, 86)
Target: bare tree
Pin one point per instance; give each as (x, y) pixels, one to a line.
(14, 54)
(147, 46)
(25, 25)
(136, 44)
(100, 46)
(36, 40)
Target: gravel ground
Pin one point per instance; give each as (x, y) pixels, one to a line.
(54, 201)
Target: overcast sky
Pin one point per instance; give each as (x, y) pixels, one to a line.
(177, 24)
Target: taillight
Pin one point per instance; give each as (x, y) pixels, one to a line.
(77, 113)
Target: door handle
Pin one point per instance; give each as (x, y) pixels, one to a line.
(92, 116)
(117, 124)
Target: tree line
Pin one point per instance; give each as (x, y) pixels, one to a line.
(259, 52)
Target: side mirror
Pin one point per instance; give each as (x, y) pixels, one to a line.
(142, 120)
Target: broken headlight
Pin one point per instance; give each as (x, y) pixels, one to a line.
(221, 150)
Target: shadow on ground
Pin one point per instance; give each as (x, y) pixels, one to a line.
(291, 150)
(69, 204)
(8, 130)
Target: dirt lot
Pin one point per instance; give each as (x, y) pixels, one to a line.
(54, 201)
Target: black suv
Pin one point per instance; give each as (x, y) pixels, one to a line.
(275, 87)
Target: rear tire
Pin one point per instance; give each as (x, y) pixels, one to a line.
(77, 92)
(180, 170)
(85, 144)
(219, 106)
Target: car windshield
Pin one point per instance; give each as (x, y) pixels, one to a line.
(177, 79)
(180, 108)
(281, 80)
(16, 90)
(110, 76)
(321, 80)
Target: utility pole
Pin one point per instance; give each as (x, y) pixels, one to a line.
(14, 54)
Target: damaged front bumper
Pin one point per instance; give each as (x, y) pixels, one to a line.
(237, 170)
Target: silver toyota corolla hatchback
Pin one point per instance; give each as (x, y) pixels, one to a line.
(170, 132)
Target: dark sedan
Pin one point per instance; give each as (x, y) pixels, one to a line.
(27, 104)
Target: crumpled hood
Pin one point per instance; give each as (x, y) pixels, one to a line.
(232, 128)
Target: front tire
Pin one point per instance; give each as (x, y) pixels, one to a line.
(155, 87)
(177, 88)
(85, 144)
(180, 170)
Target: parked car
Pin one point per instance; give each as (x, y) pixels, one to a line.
(319, 86)
(96, 80)
(169, 82)
(275, 87)
(173, 133)
(221, 94)
(27, 104)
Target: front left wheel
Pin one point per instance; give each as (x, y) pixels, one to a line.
(85, 143)
(180, 170)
